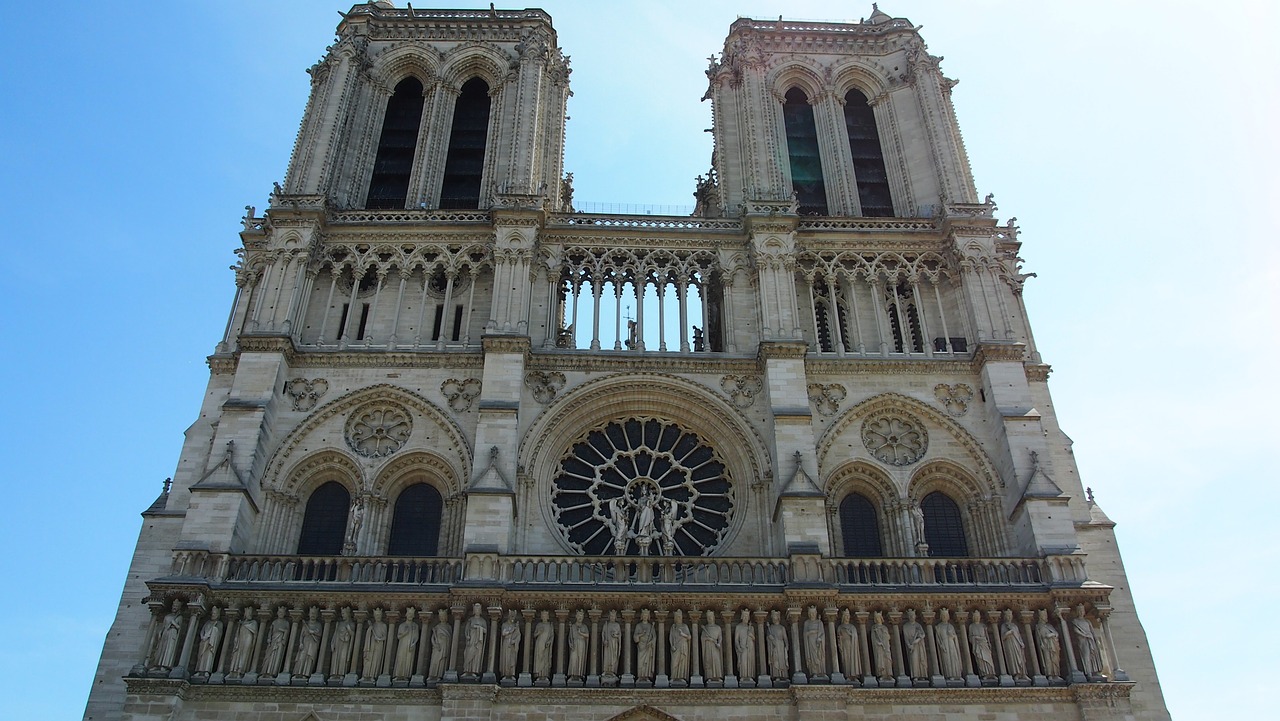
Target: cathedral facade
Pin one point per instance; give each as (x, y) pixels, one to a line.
(469, 452)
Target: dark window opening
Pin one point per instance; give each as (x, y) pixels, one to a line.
(364, 321)
(859, 527)
(958, 344)
(415, 523)
(868, 156)
(943, 526)
(910, 337)
(342, 322)
(824, 330)
(435, 331)
(389, 186)
(324, 523)
(457, 324)
(464, 164)
(802, 150)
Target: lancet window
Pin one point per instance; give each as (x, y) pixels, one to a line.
(860, 527)
(868, 156)
(397, 146)
(464, 163)
(415, 522)
(639, 300)
(803, 152)
(943, 526)
(324, 522)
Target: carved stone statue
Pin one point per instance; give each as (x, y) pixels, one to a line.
(210, 637)
(983, 662)
(681, 638)
(474, 634)
(775, 640)
(611, 638)
(579, 635)
(881, 648)
(246, 635)
(1088, 655)
(744, 646)
(620, 524)
(948, 646)
(406, 645)
(344, 635)
(646, 639)
(441, 643)
(277, 641)
(644, 521)
(917, 522)
(1015, 648)
(166, 648)
(712, 650)
(815, 644)
(669, 528)
(510, 642)
(1050, 644)
(354, 523)
(847, 645)
(375, 645)
(309, 635)
(544, 636)
(913, 636)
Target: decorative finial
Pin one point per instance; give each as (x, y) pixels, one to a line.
(493, 454)
(1089, 492)
(168, 482)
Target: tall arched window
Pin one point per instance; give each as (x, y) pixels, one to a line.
(324, 525)
(904, 319)
(859, 527)
(415, 523)
(868, 156)
(389, 187)
(943, 526)
(464, 165)
(802, 149)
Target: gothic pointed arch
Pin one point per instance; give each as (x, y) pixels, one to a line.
(644, 713)
(425, 505)
(403, 60)
(862, 503)
(293, 514)
(856, 73)
(960, 517)
(803, 73)
(470, 60)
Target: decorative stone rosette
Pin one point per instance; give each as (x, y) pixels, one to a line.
(894, 437)
(378, 429)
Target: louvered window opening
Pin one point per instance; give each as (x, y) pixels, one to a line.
(802, 149)
(389, 187)
(943, 526)
(868, 156)
(324, 524)
(464, 164)
(859, 527)
(415, 523)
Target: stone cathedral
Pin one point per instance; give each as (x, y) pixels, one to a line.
(470, 452)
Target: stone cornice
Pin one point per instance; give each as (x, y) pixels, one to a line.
(623, 361)
(1038, 372)
(988, 352)
(505, 343)
(782, 349)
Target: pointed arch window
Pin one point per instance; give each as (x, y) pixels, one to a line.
(802, 150)
(943, 526)
(904, 320)
(464, 164)
(324, 523)
(859, 527)
(389, 186)
(415, 523)
(868, 156)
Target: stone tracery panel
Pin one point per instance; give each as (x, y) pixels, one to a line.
(378, 429)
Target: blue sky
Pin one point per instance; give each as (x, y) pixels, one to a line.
(1134, 142)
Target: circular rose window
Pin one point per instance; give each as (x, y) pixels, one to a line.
(642, 487)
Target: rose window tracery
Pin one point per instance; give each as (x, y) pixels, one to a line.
(642, 486)
(895, 438)
(378, 429)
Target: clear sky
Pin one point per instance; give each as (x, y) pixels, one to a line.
(1134, 141)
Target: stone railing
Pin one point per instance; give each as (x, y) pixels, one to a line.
(642, 221)
(873, 224)
(358, 217)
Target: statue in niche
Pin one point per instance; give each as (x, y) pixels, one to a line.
(579, 635)
(646, 639)
(917, 522)
(375, 645)
(1015, 648)
(847, 645)
(441, 643)
(277, 639)
(669, 511)
(344, 635)
(544, 636)
(983, 661)
(645, 533)
(680, 636)
(210, 637)
(611, 635)
(815, 644)
(246, 634)
(166, 649)
(310, 633)
(881, 648)
(510, 642)
(619, 524)
(744, 646)
(712, 649)
(913, 636)
(1049, 642)
(354, 523)
(474, 633)
(406, 644)
(775, 640)
(1089, 656)
(948, 645)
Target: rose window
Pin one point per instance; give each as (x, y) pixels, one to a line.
(896, 439)
(642, 486)
(378, 430)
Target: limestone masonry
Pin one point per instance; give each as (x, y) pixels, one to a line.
(468, 452)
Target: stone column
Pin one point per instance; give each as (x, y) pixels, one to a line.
(966, 657)
(558, 679)
(194, 613)
(628, 679)
(997, 648)
(864, 651)
(593, 669)
(1074, 672)
(695, 657)
(228, 641)
(295, 616)
(764, 679)
(425, 618)
(525, 678)
(1117, 672)
(660, 679)
(322, 654)
(451, 667)
(1033, 653)
(931, 648)
(899, 660)
(495, 620)
(797, 669)
(157, 612)
(726, 636)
